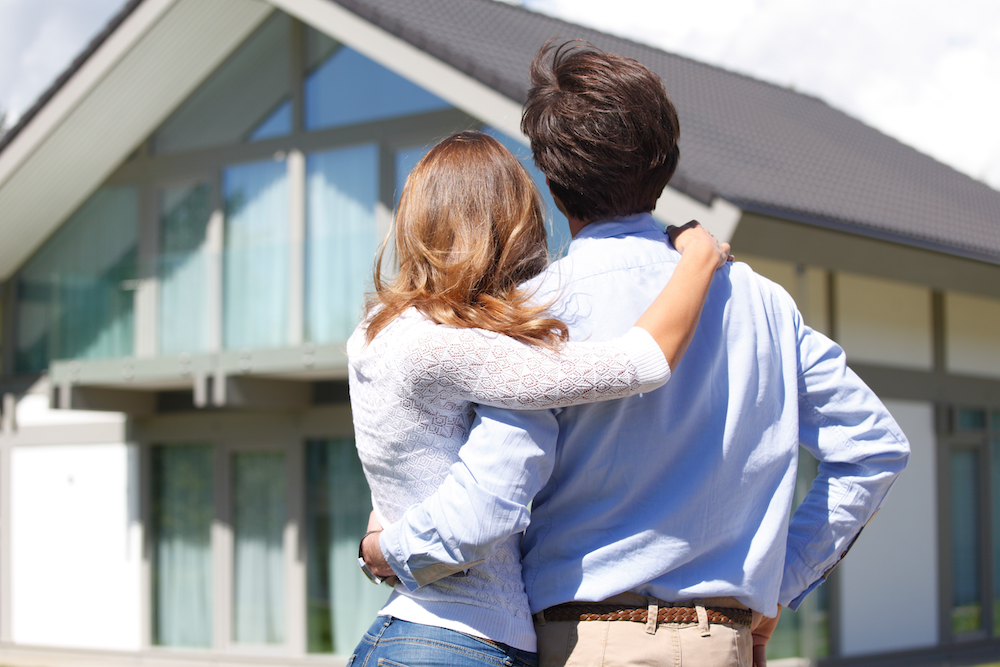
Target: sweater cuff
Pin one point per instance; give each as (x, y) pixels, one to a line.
(392, 551)
(652, 369)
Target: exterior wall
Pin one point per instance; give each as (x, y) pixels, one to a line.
(883, 321)
(75, 546)
(972, 334)
(894, 564)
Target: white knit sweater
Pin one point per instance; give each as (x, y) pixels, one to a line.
(412, 395)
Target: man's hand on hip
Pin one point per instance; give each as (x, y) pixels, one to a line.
(761, 630)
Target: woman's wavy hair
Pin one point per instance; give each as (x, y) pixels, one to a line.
(468, 231)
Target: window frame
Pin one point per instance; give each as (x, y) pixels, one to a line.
(950, 439)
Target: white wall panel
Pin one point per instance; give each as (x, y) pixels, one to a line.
(884, 322)
(894, 564)
(972, 334)
(75, 546)
(35, 410)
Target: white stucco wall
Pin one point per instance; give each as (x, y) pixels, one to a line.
(75, 546)
(972, 334)
(894, 564)
(884, 322)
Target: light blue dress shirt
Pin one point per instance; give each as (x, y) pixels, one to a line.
(684, 492)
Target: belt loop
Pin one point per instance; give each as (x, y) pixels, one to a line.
(540, 617)
(652, 611)
(702, 620)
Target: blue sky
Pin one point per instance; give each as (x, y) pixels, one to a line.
(926, 75)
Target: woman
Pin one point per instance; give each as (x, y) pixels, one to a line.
(453, 328)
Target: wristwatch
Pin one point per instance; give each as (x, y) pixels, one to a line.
(372, 577)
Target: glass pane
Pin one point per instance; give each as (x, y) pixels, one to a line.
(557, 226)
(341, 602)
(996, 420)
(75, 296)
(255, 280)
(259, 491)
(232, 102)
(278, 124)
(341, 193)
(971, 419)
(349, 88)
(406, 160)
(181, 523)
(966, 612)
(184, 268)
(804, 633)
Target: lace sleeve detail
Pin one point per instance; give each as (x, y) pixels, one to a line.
(493, 369)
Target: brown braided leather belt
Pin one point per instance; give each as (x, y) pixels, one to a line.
(610, 612)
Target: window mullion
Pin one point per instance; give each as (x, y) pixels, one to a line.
(215, 242)
(986, 536)
(296, 246)
(945, 537)
(146, 293)
(222, 552)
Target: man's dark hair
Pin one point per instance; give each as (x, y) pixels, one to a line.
(602, 130)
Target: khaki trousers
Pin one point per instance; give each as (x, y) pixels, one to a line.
(621, 643)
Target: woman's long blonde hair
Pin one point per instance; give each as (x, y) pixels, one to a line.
(468, 231)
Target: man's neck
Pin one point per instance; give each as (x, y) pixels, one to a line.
(575, 225)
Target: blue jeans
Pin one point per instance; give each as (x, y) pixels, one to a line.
(391, 642)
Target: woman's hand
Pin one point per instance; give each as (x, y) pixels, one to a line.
(673, 316)
(692, 237)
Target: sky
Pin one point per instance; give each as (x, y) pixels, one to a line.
(926, 74)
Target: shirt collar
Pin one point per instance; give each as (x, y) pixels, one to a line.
(631, 225)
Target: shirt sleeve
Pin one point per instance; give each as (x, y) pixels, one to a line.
(861, 450)
(492, 369)
(484, 500)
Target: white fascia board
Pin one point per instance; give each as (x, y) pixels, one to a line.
(69, 96)
(461, 90)
(676, 208)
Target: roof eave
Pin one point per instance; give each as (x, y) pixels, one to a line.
(863, 230)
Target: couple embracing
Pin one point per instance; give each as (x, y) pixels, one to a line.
(485, 382)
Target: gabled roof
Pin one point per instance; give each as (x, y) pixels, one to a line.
(764, 148)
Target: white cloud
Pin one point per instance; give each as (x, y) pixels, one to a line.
(38, 41)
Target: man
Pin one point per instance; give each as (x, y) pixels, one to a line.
(663, 517)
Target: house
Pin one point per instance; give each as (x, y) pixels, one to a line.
(189, 217)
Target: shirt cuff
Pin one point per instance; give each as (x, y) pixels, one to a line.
(794, 604)
(652, 369)
(412, 579)
(388, 542)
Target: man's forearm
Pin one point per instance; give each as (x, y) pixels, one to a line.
(861, 451)
(483, 501)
